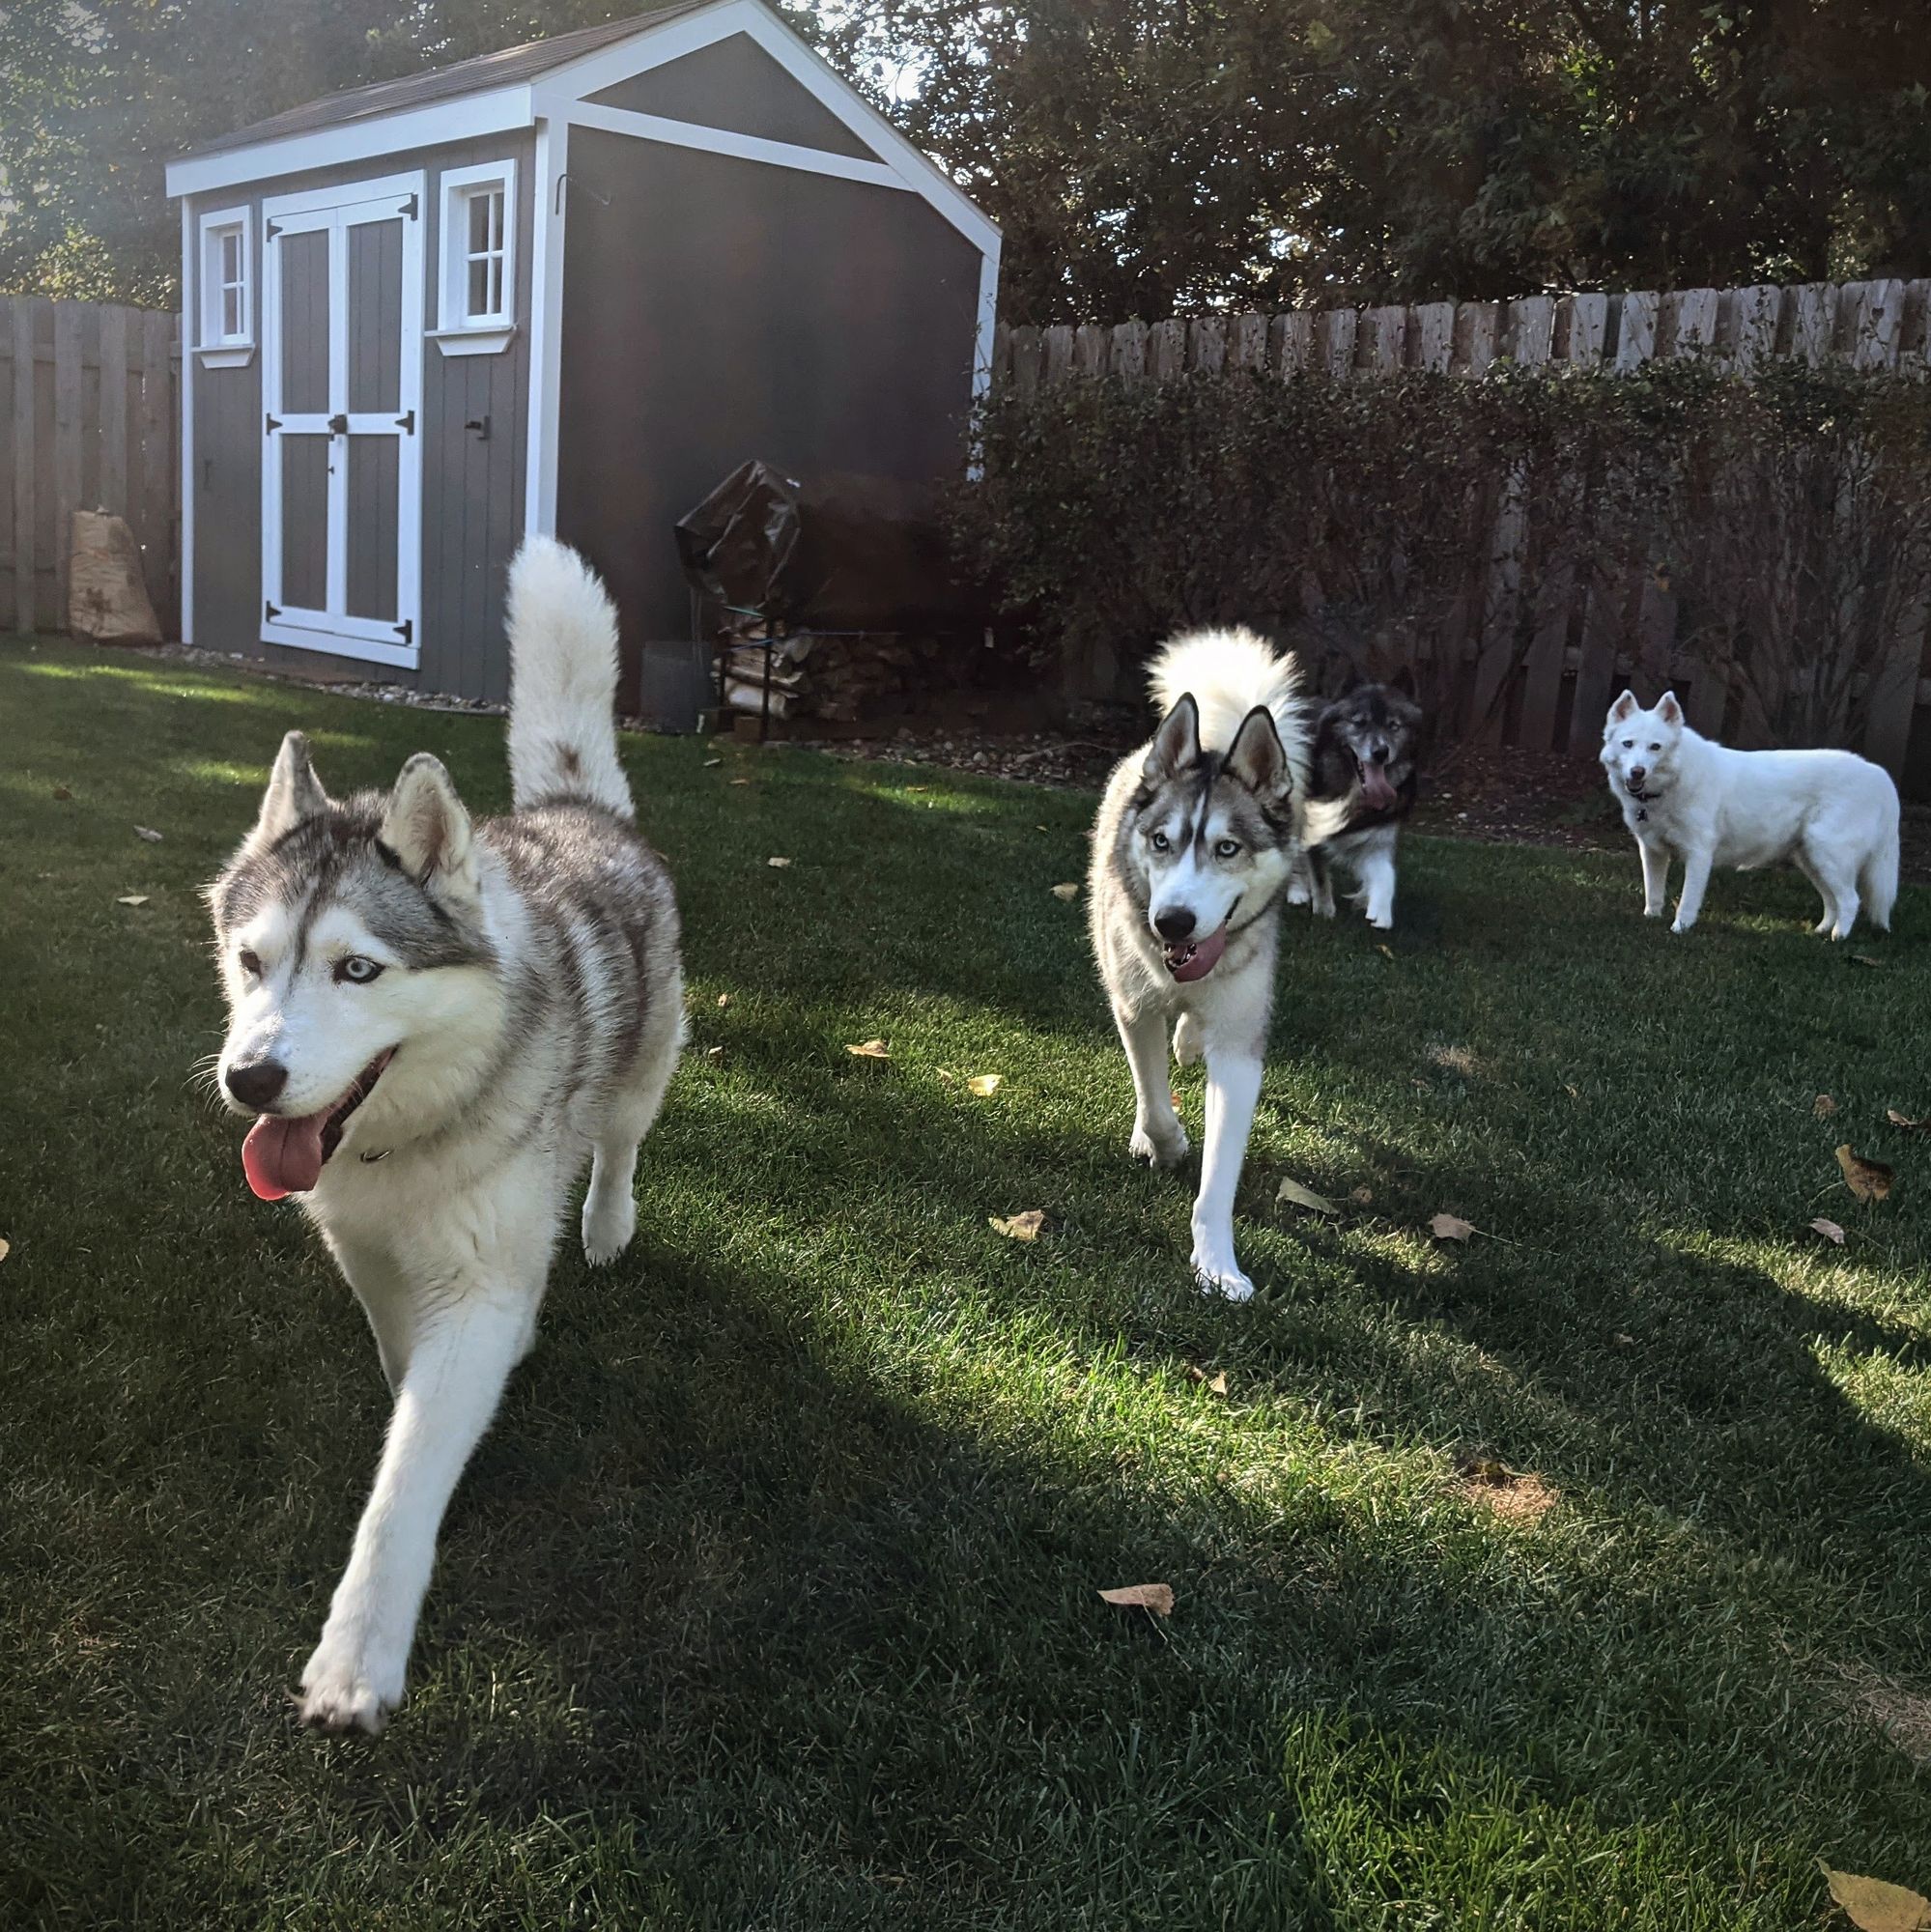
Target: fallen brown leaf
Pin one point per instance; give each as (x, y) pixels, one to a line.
(62, 793)
(1451, 1228)
(1026, 1227)
(723, 1000)
(1068, 892)
(1829, 1230)
(1304, 1197)
(148, 833)
(1574, 1092)
(1363, 1197)
(984, 1084)
(1866, 959)
(132, 898)
(869, 1049)
(714, 1053)
(1217, 1384)
(1873, 1905)
(711, 764)
(1867, 1179)
(778, 862)
(1389, 950)
(7, 1248)
(740, 781)
(1823, 1106)
(1904, 1121)
(1155, 1597)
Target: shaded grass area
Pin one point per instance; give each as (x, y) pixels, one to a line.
(770, 1601)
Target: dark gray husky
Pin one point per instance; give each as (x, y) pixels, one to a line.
(1362, 785)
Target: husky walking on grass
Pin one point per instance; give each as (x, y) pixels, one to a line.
(1197, 834)
(1832, 814)
(435, 1024)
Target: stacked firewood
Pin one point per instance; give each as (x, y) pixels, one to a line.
(842, 678)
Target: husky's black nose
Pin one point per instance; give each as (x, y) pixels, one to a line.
(1173, 925)
(255, 1083)
(1638, 772)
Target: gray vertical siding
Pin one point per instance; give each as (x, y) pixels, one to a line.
(734, 83)
(472, 489)
(717, 310)
(375, 316)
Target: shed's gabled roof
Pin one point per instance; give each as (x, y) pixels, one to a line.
(506, 68)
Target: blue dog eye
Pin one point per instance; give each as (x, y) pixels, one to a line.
(1160, 841)
(357, 971)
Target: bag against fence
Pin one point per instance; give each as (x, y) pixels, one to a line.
(107, 598)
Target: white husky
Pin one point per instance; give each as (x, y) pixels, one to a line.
(437, 1024)
(1832, 814)
(1197, 834)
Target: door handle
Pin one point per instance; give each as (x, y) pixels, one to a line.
(338, 425)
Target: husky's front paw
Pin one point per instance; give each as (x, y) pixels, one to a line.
(609, 1220)
(1679, 925)
(1220, 1274)
(1386, 923)
(1189, 1047)
(1163, 1149)
(1653, 912)
(350, 1686)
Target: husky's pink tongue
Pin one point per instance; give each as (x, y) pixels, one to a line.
(1200, 960)
(1375, 790)
(283, 1157)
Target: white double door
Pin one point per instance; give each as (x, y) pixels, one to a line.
(342, 432)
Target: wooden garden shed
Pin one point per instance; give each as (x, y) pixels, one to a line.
(561, 289)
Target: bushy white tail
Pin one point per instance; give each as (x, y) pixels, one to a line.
(563, 680)
(1877, 884)
(1227, 673)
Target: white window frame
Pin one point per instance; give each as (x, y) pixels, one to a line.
(216, 347)
(458, 332)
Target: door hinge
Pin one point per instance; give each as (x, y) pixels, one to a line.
(408, 208)
(406, 631)
(270, 610)
(269, 424)
(407, 424)
(271, 229)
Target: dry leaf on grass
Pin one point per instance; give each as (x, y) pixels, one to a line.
(984, 1084)
(1451, 1228)
(1069, 891)
(1217, 1384)
(1513, 1494)
(1026, 1227)
(7, 1248)
(1389, 950)
(1574, 1092)
(780, 862)
(1829, 1230)
(1904, 1121)
(62, 793)
(1454, 1060)
(1305, 1197)
(711, 764)
(1867, 1179)
(1363, 1197)
(1155, 1597)
(723, 1000)
(1874, 1906)
(132, 898)
(1866, 959)
(148, 833)
(714, 1053)
(869, 1049)
(1823, 1106)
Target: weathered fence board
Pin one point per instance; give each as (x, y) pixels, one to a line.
(89, 419)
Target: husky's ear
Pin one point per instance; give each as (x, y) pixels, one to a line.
(1668, 710)
(293, 793)
(1177, 743)
(1626, 706)
(1257, 756)
(428, 829)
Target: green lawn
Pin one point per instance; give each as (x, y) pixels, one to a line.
(769, 1601)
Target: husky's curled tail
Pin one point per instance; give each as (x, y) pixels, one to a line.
(563, 681)
(1227, 673)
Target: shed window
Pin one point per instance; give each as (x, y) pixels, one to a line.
(227, 304)
(478, 249)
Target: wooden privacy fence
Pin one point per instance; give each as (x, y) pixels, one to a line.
(1556, 693)
(88, 421)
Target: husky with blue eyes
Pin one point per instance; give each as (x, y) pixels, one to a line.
(1831, 814)
(435, 1025)
(1197, 836)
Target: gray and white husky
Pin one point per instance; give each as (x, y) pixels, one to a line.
(435, 1023)
(1198, 833)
